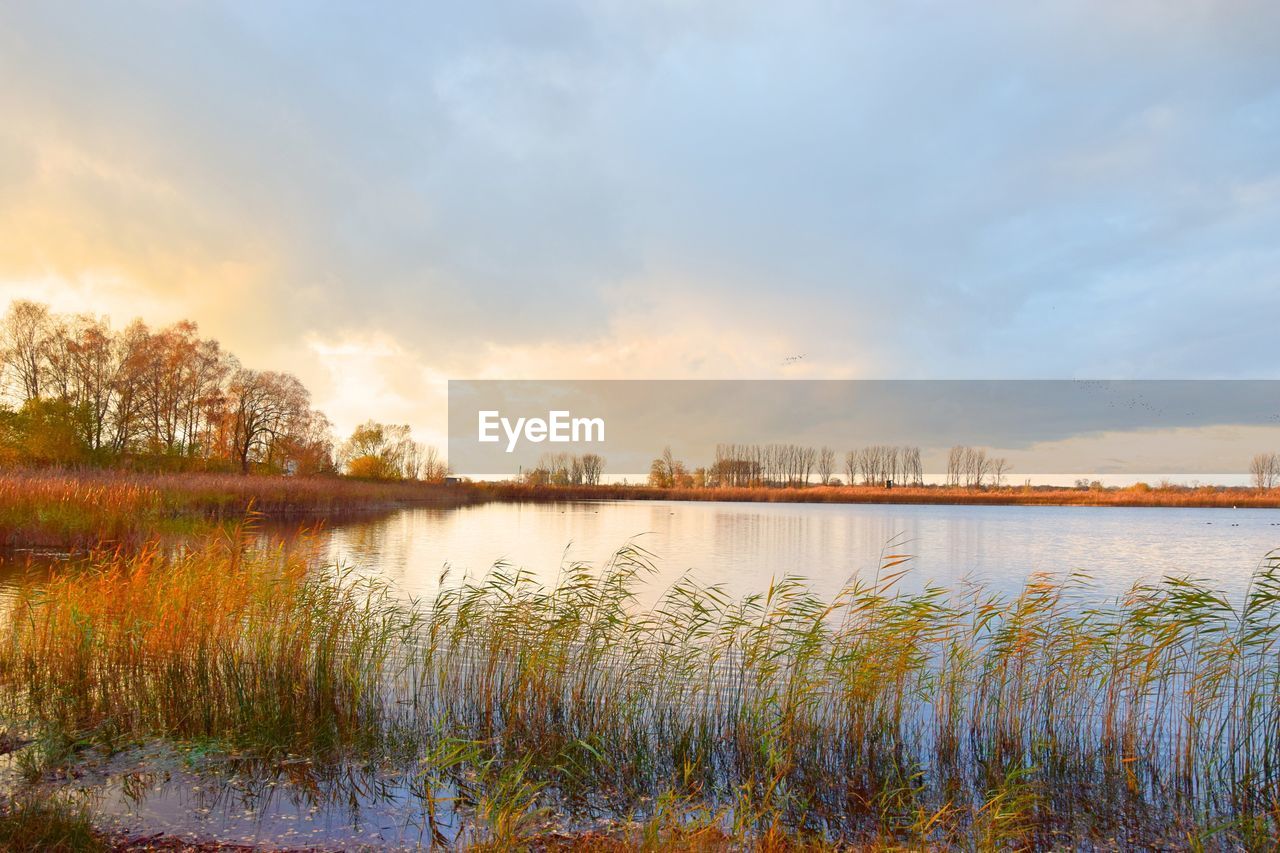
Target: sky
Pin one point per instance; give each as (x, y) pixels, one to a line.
(1198, 430)
(378, 198)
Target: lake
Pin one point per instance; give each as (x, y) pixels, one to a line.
(743, 546)
(153, 787)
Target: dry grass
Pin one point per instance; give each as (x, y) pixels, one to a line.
(218, 642)
(943, 719)
(98, 509)
(95, 509)
(1136, 496)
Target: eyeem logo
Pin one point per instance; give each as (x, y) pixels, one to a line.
(558, 427)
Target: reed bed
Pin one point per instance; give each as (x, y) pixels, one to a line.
(944, 718)
(1226, 497)
(93, 508)
(86, 509)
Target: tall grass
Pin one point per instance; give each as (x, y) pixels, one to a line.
(49, 827)
(90, 509)
(940, 718)
(80, 510)
(1134, 496)
(224, 641)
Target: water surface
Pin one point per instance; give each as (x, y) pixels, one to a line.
(743, 545)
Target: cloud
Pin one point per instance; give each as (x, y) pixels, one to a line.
(605, 188)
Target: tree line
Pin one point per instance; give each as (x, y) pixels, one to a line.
(971, 467)
(79, 392)
(794, 465)
(780, 465)
(388, 452)
(566, 469)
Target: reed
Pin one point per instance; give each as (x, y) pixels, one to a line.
(1140, 495)
(944, 718)
(47, 826)
(97, 508)
(81, 510)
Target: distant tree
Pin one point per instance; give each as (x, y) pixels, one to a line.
(592, 468)
(389, 452)
(913, 469)
(371, 468)
(563, 469)
(968, 466)
(1264, 470)
(826, 465)
(955, 465)
(668, 465)
(668, 472)
(434, 468)
(805, 459)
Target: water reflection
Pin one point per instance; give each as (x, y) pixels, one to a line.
(160, 789)
(743, 546)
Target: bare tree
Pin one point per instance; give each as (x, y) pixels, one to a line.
(433, 466)
(1264, 469)
(999, 468)
(977, 466)
(806, 458)
(826, 465)
(955, 465)
(913, 469)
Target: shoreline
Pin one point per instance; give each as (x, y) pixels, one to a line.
(1177, 497)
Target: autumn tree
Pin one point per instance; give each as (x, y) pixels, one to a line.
(263, 407)
(169, 396)
(83, 368)
(668, 472)
(308, 449)
(25, 344)
(377, 451)
(389, 452)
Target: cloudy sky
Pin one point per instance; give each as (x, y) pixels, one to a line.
(381, 200)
